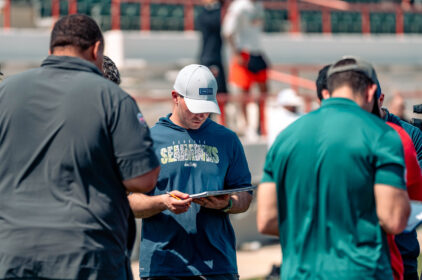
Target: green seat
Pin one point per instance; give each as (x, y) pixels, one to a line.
(64, 7)
(84, 7)
(130, 16)
(167, 17)
(105, 23)
(105, 7)
(346, 22)
(383, 23)
(177, 12)
(275, 20)
(311, 21)
(45, 8)
(412, 23)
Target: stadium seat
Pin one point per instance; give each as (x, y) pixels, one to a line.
(171, 17)
(86, 6)
(167, 17)
(311, 21)
(130, 16)
(412, 23)
(275, 20)
(105, 7)
(64, 7)
(105, 22)
(45, 8)
(346, 22)
(383, 22)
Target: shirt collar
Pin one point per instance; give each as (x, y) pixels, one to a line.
(70, 63)
(338, 101)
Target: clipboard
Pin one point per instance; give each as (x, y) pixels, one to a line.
(221, 192)
(415, 218)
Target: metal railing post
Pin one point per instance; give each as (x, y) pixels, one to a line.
(145, 15)
(399, 20)
(189, 17)
(294, 16)
(55, 9)
(366, 21)
(72, 6)
(115, 14)
(326, 21)
(6, 15)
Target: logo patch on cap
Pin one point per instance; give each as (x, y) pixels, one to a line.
(205, 91)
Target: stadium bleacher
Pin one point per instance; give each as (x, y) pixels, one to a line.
(170, 16)
(412, 23)
(311, 21)
(383, 23)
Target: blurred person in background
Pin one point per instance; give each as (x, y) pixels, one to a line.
(242, 28)
(209, 24)
(397, 107)
(304, 168)
(110, 70)
(414, 132)
(74, 144)
(180, 239)
(283, 114)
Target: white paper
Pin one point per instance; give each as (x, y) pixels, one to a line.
(221, 192)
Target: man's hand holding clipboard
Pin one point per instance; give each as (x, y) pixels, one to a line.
(222, 199)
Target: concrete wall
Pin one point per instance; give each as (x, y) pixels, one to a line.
(177, 47)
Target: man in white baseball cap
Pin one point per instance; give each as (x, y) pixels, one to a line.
(180, 239)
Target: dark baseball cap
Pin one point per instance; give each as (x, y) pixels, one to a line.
(360, 66)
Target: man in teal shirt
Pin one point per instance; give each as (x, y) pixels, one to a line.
(337, 174)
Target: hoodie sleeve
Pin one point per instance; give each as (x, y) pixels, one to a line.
(238, 174)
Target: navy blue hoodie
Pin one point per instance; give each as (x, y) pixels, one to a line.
(200, 241)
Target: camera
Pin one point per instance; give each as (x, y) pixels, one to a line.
(418, 110)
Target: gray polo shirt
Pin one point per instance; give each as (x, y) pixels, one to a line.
(68, 137)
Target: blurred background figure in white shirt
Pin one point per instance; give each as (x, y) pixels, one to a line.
(286, 110)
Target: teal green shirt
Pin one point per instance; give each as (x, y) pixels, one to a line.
(325, 166)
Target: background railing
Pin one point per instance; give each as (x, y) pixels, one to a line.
(294, 16)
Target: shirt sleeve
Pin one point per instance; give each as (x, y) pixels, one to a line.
(238, 174)
(389, 165)
(413, 171)
(231, 20)
(416, 136)
(132, 143)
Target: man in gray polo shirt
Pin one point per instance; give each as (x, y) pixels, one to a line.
(72, 145)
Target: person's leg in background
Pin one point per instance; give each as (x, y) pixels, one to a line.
(263, 90)
(217, 70)
(240, 81)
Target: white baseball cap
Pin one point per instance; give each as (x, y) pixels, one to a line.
(198, 86)
(288, 97)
